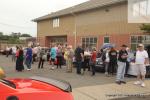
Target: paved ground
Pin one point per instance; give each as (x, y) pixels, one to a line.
(84, 86)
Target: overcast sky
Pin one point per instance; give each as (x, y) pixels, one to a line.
(16, 15)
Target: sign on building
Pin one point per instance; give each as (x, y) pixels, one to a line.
(139, 11)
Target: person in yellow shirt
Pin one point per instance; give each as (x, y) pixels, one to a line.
(2, 73)
(69, 54)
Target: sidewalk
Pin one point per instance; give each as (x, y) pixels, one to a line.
(112, 91)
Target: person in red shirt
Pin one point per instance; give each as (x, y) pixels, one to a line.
(93, 59)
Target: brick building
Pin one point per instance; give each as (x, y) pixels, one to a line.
(92, 23)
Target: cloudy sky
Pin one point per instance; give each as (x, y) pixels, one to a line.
(16, 15)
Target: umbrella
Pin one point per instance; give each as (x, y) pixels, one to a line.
(108, 45)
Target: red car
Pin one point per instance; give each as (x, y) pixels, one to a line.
(35, 88)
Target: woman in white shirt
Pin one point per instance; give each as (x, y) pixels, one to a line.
(107, 60)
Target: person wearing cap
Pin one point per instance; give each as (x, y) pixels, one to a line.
(122, 59)
(141, 61)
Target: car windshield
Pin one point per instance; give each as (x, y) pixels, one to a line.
(9, 83)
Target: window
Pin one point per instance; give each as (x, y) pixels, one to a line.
(106, 39)
(141, 8)
(135, 40)
(89, 42)
(56, 22)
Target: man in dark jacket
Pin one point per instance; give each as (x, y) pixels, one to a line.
(122, 59)
(79, 58)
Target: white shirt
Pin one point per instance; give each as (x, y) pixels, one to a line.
(7, 49)
(107, 57)
(35, 50)
(141, 56)
(14, 49)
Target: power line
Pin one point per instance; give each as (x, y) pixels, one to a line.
(10, 25)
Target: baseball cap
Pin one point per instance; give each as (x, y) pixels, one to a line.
(140, 45)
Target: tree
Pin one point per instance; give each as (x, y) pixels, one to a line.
(1, 33)
(25, 35)
(145, 28)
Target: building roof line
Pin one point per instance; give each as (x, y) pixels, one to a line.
(89, 5)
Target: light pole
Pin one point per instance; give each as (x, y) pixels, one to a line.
(75, 28)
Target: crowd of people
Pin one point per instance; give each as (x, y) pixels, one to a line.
(115, 62)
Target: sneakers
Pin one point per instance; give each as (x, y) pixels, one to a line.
(143, 84)
(123, 82)
(28, 69)
(106, 73)
(52, 68)
(139, 83)
(118, 82)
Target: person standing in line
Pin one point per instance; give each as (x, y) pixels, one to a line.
(34, 54)
(141, 61)
(20, 58)
(93, 59)
(128, 61)
(107, 61)
(113, 61)
(79, 56)
(14, 53)
(42, 58)
(87, 55)
(69, 54)
(28, 60)
(59, 56)
(7, 51)
(122, 59)
(17, 55)
(53, 56)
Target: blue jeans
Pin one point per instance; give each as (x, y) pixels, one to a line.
(121, 71)
(28, 63)
(79, 65)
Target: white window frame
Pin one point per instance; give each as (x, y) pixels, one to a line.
(56, 22)
(145, 42)
(96, 44)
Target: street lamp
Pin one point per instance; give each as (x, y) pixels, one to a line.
(75, 28)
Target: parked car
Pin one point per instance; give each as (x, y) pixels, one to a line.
(100, 65)
(35, 88)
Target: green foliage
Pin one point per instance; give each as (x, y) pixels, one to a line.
(10, 39)
(25, 35)
(1, 34)
(145, 28)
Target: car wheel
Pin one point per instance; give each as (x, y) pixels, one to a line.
(12, 98)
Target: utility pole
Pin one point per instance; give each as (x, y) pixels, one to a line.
(75, 28)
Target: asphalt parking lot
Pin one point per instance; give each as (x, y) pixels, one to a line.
(85, 87)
